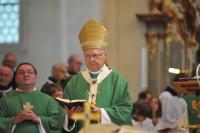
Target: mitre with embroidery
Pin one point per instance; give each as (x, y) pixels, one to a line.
(93, 35)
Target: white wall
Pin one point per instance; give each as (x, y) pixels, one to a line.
(50, 31)
(126, 39)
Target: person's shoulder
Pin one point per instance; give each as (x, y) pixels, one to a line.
(134, 122)
(117, 75)
(11, 93)
(165, 94)
(45, 99)
(44, 86)
(76, 76)
(147, 120)
(183, 102)
(42, 95)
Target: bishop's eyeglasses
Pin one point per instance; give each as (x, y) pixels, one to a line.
(94, 56)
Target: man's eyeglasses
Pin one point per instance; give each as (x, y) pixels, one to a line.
(26, 72)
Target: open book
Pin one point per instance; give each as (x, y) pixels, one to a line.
(71, 103)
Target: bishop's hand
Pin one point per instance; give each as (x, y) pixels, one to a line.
(72, 110)
(96, 110)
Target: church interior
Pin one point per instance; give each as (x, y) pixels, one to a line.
(150, 42)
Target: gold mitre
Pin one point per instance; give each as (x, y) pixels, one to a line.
(93, 35)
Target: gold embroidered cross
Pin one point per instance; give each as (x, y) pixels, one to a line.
(28, 106)
(94, 81)
(86, 116)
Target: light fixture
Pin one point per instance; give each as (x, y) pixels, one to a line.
(174, 70)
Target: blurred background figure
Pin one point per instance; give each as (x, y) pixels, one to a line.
(10, 60)
(75, 63)
(174, 107)
(142, 115)
(155, 122)
(6, 76)
(58, 76)
(54, 90)
(156, 108)
(143, 96)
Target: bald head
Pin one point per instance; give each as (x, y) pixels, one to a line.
(6, 75)
(59, 71)
(10, 60)
(74, 63)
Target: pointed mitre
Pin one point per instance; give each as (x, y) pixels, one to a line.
(93, 35)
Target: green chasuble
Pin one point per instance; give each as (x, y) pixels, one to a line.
(192, 113)
(43, 105)
(112, 95)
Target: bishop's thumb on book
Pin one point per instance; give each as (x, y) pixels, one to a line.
(71, 103)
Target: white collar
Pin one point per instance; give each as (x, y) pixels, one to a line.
(97, 72)
(6, 91)
(24, 91)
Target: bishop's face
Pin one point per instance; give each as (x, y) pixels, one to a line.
(94, 59)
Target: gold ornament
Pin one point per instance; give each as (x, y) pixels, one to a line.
(28, 106)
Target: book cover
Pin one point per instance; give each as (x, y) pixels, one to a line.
(71, 103)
